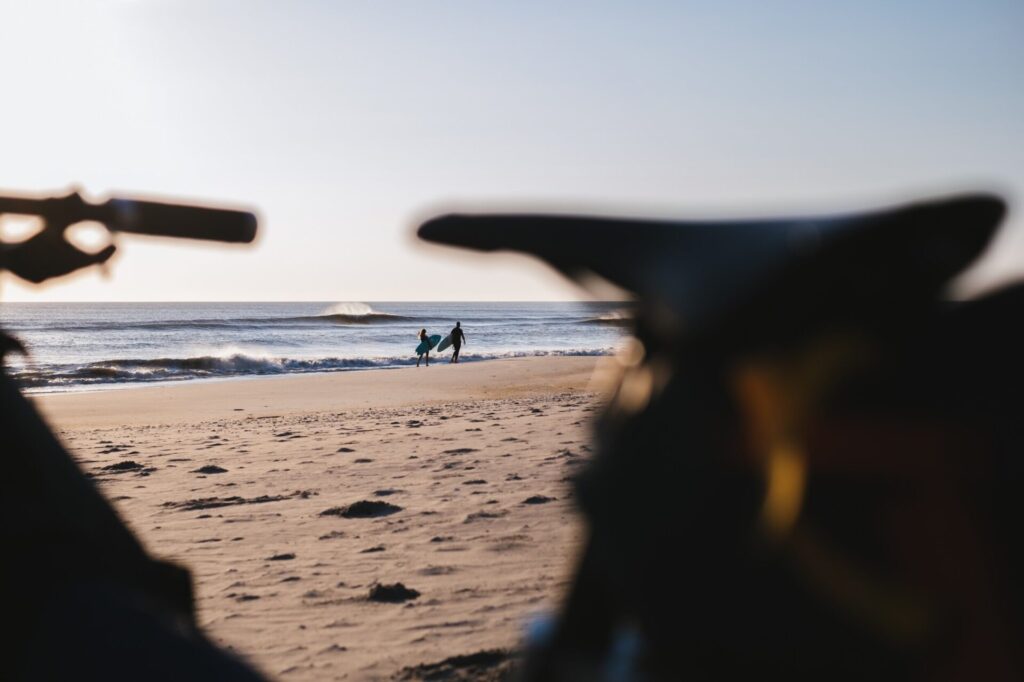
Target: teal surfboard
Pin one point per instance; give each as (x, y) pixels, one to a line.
(428, 344)
(445, 342)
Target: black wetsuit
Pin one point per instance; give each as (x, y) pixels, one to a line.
(425, 338)
(457, 338)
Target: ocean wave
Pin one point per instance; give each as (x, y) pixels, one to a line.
(615, 318)
(122, 371)
(343, 318)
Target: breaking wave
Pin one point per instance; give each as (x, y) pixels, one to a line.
(125, 371)
(353, 313)
(615, 318)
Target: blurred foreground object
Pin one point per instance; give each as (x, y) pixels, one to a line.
(81, 598)
(812, 464)
(48, 254)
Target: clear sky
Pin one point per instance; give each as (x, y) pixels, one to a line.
(345, 122)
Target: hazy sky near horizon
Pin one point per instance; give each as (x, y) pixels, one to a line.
(344, 123)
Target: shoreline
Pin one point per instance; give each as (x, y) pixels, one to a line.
(101, 386)
(259, 395)
(165, 383)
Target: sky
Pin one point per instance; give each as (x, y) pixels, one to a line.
(346, 123)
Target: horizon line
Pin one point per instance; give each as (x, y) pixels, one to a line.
(334, 300)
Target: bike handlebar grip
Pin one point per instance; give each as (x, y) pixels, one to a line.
(176, 220)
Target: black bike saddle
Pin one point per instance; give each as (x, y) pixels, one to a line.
(706, 272)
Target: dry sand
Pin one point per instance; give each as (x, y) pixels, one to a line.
(249, 482)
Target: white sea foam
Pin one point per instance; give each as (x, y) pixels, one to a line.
(348, 308)
(230, 363)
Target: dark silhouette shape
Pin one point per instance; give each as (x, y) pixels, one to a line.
(48, 254)
(424, 338)
(458, 338)
(82, 599)
(811, 468)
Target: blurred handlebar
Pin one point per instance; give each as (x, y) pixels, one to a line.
(140, 217)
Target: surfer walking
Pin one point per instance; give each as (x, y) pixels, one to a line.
(424, 341)
(458, 338)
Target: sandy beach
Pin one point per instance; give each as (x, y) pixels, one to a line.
(293, 499)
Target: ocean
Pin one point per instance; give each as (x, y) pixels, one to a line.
(76, 346)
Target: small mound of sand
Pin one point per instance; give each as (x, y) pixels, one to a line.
(125, 465)
(477, 516)
(492, 665)
(210, 469)
(392, 594)
(363, 509)
(214, 502)
(281, 557)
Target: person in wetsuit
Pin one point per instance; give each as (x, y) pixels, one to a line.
(423, 337)
(458, 337)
